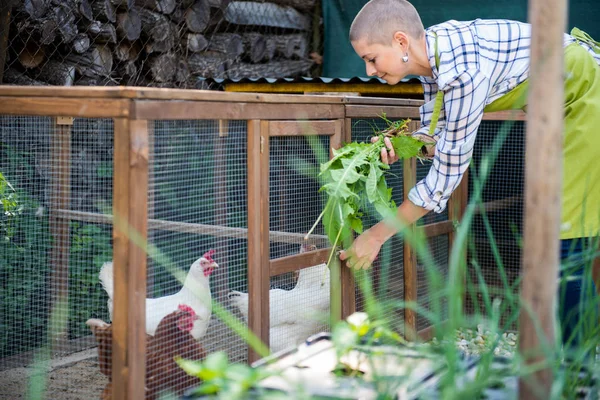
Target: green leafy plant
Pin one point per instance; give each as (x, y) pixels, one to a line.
(11, 208)
(354, 179)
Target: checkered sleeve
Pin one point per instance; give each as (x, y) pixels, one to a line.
(464, 100)
(430, 89)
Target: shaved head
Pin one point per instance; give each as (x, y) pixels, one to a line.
(378, 20)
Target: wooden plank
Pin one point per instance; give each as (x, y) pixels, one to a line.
(120, 373)
(297, 262)
(221, 276)
(138, 220)
(258, 248)
(382, 101)
(360, 111)
(343, 134)
(130, 92)
(409, 172)
(58, 106)
(511, 115)
(152, 109)
(199, 229)
(60, 196)
(302, 128)
(541, 231)
(436, 229)
(500, 204)
(371, 89)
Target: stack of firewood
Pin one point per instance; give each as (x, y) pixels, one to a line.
(167, 43)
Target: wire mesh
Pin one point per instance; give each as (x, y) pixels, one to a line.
(387, 273)
(496, 233)
(294, 204)
(161, 43)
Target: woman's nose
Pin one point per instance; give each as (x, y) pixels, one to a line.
(371, 70)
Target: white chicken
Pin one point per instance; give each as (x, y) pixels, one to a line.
(294, 314)
(195, 293)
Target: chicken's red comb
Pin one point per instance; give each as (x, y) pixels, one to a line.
(208, 255)
(186, 308)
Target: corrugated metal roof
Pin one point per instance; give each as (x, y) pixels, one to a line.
(322, 79)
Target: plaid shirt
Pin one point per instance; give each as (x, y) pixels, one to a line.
(480, 61)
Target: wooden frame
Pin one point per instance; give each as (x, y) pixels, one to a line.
(266, 115)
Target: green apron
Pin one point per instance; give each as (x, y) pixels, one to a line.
(581, 149)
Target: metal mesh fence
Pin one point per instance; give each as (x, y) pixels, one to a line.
(499, 227)
(387, 273)
(162, 43)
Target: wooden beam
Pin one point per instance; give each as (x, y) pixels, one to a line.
(131, 208)
(152, 109)
(541, 232)
(409, 172)
(221, 275)
(302, 128)
(5, 14)
(297, 262)
(382, 89)
(360, 111)
(60, 196)
(435, 229)
(198, 229)
(57, 106)
(258, 227)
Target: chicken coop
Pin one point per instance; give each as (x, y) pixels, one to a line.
(118, 199)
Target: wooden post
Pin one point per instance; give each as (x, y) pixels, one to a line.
(60, 199)
(409, 173)
(542, 192)
(456, 209)
(221, 278)
(258, 232)
(130, 211)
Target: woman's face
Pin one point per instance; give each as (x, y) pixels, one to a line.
(383, 61)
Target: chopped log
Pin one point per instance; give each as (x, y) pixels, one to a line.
(161, 31)
(98, 61)
(95, 81)
(65, 20)
(14, 77)
(102, 33)
(126, 51)
(36, 8)
(183, 70)
(127, 69)
(57, 73)
(197, 16)
(161, 6)
(273, 69)
(32, 55)
(81, 44)
(129, 25)
(85, 9)
(48, 31)
(230, 44)
(195, 42)
(123, 3)
(255, 47)
(265, 14)
(104, 11)
(291, 46)
(300, 5)
(163, 67)
(208, 64)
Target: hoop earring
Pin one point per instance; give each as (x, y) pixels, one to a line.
(405, 58)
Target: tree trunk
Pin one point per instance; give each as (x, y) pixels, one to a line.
(57, 73)
(163, 67)
(102, 33)
(266, 14)
(104, 10)
(129, 25)
(81, 44)
(291, 46)
(208, 64)
(197, 16)
(229, 44)
(195, 42)
(273, 69)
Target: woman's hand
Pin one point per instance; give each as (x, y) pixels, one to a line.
(363, 251)
(388, 156)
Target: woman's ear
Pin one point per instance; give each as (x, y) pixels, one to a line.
(402, 39)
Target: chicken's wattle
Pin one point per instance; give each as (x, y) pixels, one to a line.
(208, 271)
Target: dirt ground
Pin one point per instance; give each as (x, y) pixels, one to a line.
(78, 377)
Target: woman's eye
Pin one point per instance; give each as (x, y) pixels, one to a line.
(372, 60)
